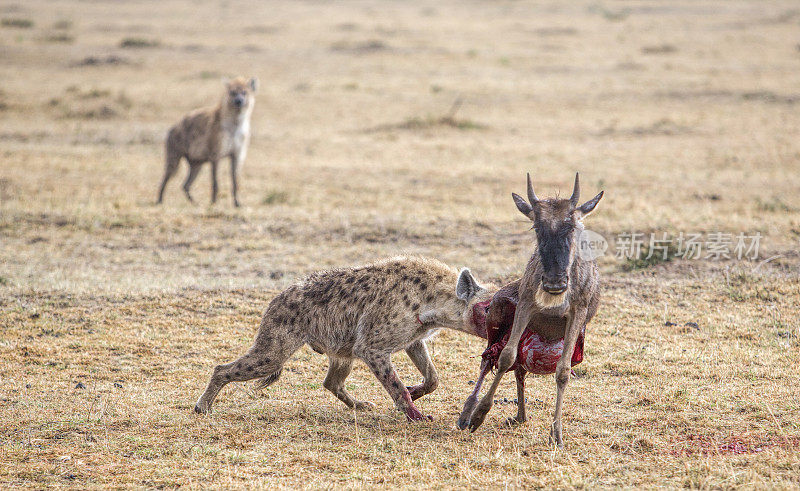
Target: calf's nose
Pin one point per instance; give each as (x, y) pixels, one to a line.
(554, 286)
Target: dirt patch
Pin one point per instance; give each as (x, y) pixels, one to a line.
(361, 48)
(449, 120)
(110, 60)
(662, 127)
(661, 49)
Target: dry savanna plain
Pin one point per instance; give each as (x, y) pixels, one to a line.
(383, 128)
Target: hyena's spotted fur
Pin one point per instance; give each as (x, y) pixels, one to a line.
(366, 312)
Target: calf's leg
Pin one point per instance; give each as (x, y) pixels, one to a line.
(507, 358)
(519, 374)
(563, 370)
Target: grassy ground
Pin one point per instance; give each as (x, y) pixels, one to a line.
(685, 113)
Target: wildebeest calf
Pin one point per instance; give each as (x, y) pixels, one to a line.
(558, 296)
(366, 312)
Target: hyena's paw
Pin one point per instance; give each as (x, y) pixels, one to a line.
(364, 406)
(414, 414)
(416, 391)
(202, 407)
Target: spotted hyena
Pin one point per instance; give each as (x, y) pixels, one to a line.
(366, 312)
(211, 134)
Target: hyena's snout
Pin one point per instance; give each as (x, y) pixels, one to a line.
(239, 100)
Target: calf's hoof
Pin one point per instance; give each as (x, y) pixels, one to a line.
(555, 437)
(466, 413)
(478, 416)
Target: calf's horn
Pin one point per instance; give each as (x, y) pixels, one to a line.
(531, 195)
(576, 192)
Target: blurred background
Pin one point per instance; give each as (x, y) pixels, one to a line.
(385, 127)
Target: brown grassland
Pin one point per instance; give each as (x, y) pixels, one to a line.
(113, 310)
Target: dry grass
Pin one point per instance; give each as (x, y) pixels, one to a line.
(685, 113)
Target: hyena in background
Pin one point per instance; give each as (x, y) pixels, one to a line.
(366, 312)
(211, 134)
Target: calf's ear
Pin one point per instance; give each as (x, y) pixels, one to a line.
(466, 286)
(522, 205)
(588, 207)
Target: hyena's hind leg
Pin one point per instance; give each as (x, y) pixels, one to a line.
(173, 160)
(268, 380)
(194, 169)
(264, 360)
(338, 370)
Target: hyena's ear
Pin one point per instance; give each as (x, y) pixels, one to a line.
(254, 84)
(466, 286)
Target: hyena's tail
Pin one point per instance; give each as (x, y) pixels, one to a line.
(265, 382)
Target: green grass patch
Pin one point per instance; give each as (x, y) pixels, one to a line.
(773, 205)
(275, 198)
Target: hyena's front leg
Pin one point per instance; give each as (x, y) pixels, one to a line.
(236, 160)
(380, 363)
(418, 352)
(194, 169)
(338, 370)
